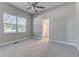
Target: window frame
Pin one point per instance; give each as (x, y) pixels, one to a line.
(7, 23)
(16, 30)
(21, 24)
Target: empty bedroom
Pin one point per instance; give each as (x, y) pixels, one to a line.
(39, 29)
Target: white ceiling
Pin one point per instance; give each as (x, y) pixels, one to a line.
(24, 5)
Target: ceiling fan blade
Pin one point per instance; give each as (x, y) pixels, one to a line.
(28, 8)
(40, 7)
(35, 3)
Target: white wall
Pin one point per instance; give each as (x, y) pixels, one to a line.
(76, 24)
(61, 22)
(6, 37)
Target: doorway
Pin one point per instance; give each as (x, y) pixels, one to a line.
(45, 29)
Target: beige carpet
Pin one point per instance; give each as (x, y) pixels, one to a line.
(38, 48)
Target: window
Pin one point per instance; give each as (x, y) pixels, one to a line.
(14, 24)
(9, 23)
(21, 24)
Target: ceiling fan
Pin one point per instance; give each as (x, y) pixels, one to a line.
(34, 6)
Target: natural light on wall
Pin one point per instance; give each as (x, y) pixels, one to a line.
(45, 33)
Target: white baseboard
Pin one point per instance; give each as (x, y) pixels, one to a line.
(61, 42)
(67, 43)
(10, 42)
